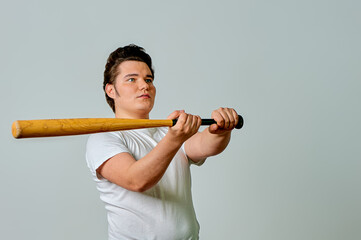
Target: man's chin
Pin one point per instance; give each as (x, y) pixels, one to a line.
(144, 110)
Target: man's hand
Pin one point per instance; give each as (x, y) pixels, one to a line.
(187, 125)
(226, 118)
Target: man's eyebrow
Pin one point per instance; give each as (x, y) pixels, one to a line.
(131, 75)
(136, 75)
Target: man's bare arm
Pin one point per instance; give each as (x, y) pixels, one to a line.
(125, 171)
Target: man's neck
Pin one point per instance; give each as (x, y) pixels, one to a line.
(131, 115)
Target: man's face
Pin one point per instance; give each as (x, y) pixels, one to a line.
(133, 91)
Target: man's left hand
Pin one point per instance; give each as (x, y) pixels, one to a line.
(226, 118)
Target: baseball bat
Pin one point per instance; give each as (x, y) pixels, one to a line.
(77, 126)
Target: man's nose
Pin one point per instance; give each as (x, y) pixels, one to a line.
(143, 84)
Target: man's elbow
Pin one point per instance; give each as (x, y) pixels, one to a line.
(140, 186)
(139, 189)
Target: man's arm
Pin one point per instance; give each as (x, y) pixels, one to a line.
(125, 171)
(214, 139)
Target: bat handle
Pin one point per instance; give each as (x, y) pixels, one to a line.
(212, 121)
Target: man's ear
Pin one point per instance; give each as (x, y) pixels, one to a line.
(110, 90)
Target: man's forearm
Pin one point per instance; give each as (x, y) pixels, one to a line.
(215, 143)
(147, 171)
(206, 144)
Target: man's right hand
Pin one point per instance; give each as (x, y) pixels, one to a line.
(187, 125)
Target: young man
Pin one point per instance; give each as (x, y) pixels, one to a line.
(143, 175)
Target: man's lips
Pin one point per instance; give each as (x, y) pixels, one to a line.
(144, 96)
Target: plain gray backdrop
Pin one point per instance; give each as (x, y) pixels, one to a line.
(291, 68)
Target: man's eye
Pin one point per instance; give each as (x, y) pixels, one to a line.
(131, 80)
(149, 80)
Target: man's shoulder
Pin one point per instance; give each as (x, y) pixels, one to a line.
(102, 135)
(97, 138)
(124, 135)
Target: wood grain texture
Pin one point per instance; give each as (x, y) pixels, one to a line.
(77, 126)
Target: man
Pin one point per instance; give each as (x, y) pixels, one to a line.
(143, 175)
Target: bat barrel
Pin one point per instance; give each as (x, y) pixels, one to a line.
(77, 126)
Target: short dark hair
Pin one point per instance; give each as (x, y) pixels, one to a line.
(131, 52)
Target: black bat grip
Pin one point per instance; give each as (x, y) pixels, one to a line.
(211, 121)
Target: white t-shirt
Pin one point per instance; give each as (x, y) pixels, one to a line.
(165, 211)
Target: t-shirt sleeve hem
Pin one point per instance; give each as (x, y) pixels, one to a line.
(198, 163)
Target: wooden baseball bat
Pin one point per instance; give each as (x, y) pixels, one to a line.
(77, 126)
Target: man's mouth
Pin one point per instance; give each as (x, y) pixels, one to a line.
(144, 96)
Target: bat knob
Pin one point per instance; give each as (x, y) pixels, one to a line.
(240, 122)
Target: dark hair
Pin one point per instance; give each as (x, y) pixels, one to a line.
(128, 53)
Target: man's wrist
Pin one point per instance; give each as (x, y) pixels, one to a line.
(171, 141)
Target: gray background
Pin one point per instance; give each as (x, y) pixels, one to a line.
(291, 68)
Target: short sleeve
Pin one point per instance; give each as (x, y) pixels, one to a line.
(199, 163)
(102, 146)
